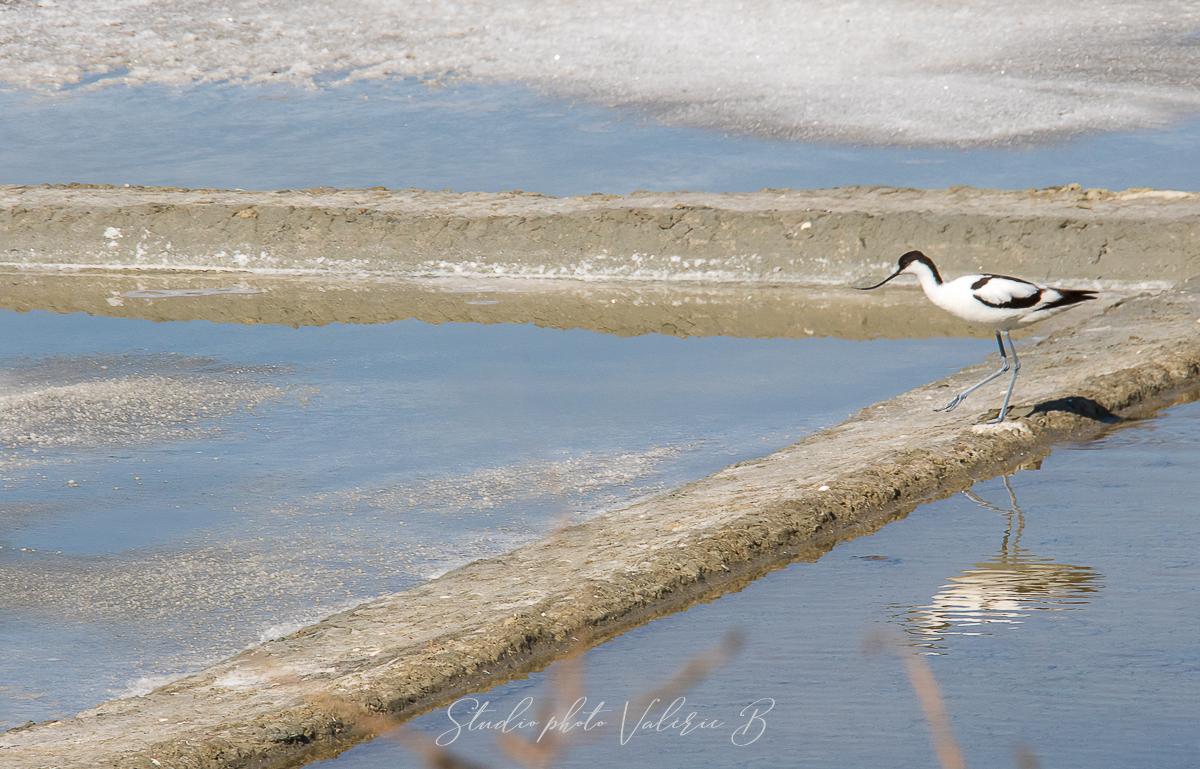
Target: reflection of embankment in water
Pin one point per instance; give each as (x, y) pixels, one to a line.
(624, 309)
(1004, 591)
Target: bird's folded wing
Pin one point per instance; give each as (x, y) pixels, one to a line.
(1000, 291)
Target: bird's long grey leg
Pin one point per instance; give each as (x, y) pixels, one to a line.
(957, 399)
(1012, 380)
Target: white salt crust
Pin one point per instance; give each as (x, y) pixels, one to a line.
(925, 72)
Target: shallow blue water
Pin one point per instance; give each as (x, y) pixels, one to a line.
(1069, 627)
(491, 138)
(385, 453)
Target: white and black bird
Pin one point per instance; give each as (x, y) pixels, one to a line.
(997, 301)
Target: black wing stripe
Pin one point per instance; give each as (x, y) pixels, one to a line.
(984, 279)
(1070, 296)
(1016, 303)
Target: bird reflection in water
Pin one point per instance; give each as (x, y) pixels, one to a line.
(1003, 591)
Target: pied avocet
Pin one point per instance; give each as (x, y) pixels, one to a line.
(997, 301)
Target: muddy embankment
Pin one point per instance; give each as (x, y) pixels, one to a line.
(824, 236)
(308, 694)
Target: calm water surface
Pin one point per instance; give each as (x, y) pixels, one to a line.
(171, 492)
(492, 138)
(1067, 623)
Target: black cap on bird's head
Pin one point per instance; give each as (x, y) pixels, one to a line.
(903, 264)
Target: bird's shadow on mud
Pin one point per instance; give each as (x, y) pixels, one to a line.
(1078, 405)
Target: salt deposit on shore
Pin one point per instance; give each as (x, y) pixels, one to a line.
(912, 73)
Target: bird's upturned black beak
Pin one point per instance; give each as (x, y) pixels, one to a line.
(880, 283)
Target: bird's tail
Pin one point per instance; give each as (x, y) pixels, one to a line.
(1068, 297)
